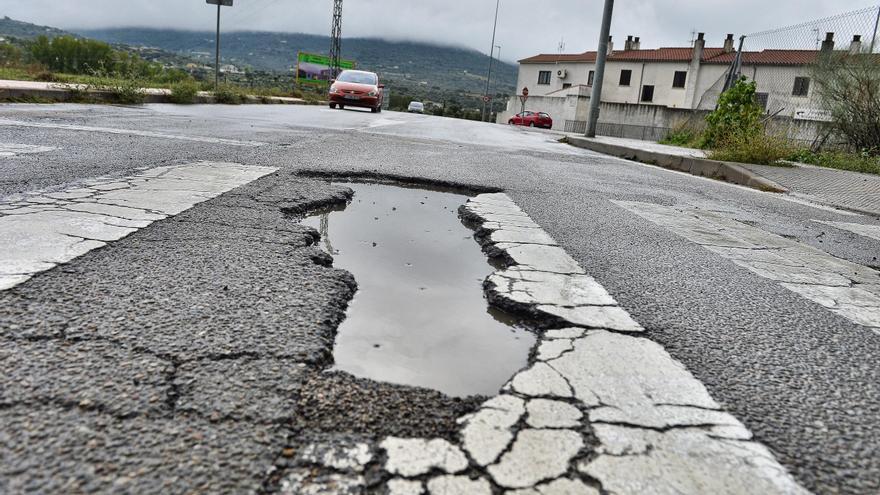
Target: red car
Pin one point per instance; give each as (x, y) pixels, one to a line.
(357, 88)
(532, 119)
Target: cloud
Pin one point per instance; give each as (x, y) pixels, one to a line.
(525, 27)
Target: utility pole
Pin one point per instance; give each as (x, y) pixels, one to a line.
(491, 59)
(336, 39)
(495, 87)
(219, 4)
(599, 76)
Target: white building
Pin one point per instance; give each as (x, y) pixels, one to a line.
(678, 78)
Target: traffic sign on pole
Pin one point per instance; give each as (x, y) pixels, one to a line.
(218, 3)
(487, 99)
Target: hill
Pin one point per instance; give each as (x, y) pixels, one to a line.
(411, 63)
(11, 28)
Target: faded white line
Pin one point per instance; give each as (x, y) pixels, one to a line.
(848, 289)
(870, 231)
(42, 229)
(658, 428)
(151, 134)
(12, 149)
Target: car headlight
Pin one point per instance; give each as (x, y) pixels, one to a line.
(373, 93)
(333, 90)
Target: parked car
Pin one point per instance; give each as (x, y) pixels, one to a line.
(416, 107)
(357, 88)
(532, 119)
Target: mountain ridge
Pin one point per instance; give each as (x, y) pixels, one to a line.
(413, 62)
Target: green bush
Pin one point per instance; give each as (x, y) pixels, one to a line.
(761, 149)
(684, 133)
(228, 94)
(184, 92)
(863, 161)
(126, 90)
(737, 117)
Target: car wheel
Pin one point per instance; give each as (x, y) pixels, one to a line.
(510, 122)
(379, 110)
(342, 107)
(333, 106)
(374, 110)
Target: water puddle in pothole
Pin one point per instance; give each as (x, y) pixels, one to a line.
(420, 316)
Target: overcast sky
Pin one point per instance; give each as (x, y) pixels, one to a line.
(524, 27)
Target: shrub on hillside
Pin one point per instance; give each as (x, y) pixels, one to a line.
(184, 92)
(228, 94)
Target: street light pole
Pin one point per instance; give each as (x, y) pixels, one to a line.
(491, 58)
(599, 76)
(217, 55)
(495, 87)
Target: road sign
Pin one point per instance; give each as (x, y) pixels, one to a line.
(224, 3)
(487, 99)
(525, 92)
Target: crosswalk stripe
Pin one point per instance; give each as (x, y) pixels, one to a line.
(42, 229)
(845, 288)
(130, 132)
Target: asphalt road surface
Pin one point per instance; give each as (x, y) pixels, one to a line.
(185, 348)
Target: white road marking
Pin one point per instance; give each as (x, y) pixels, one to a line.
(658, 428)
(848, 289)
(870, 231)
(110, 130)
(40, 229)
(11, 149)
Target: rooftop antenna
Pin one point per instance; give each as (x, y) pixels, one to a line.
(562, 45)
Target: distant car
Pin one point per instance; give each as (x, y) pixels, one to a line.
(357, 88)
(416, 107)
(532, 119)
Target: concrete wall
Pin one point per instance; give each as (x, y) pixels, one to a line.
(646, 122)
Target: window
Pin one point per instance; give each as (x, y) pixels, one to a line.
(648, 93)
(544, 77)
(801, 86)
(590, 77)
(566, 85)
(762, 99)
(626, 77)
(679, 79)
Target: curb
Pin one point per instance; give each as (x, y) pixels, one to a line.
(703, 167)
(63, 94)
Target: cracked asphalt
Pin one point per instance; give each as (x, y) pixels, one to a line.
(203, 338)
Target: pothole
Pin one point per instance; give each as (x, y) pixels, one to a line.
(420, 316)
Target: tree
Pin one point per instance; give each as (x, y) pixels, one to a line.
(848, 86)
(10, 55)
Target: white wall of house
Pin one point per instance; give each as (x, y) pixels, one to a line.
(529, 73)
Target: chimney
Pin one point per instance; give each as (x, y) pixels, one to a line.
(637, 43)
(629, 44)
(610, 45)
(699, 46)
(828, 44)
(856, 46)
(728, 44)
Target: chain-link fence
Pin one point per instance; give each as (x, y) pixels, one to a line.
(785, 63)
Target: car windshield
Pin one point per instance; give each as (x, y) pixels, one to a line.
(358, 77)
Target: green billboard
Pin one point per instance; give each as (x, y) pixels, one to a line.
(314, 70)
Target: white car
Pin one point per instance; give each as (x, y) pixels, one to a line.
(416, 107)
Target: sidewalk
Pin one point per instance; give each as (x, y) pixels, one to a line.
(838, 188)
(61, 91)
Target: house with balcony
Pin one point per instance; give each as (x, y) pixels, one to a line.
(646, 90)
